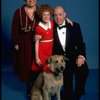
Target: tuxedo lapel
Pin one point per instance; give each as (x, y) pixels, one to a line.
(67, 35)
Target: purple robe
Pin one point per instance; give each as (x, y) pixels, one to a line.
(22, 34)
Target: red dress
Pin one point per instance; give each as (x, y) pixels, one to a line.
(45, 48)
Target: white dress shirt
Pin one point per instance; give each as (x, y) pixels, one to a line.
(62, 35)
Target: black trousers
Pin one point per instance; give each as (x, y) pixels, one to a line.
(80, 75)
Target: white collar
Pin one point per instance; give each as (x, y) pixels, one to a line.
(45, 27)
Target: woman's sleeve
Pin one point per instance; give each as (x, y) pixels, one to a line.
(15, 27)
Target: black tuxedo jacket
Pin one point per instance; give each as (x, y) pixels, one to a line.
(74, 42)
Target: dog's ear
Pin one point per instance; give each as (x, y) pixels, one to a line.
(49, 60)
(65, 58)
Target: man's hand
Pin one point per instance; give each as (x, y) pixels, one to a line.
(80, 61)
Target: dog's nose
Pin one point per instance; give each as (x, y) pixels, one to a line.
(62, 68)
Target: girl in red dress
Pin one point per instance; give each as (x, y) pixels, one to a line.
(43, 40)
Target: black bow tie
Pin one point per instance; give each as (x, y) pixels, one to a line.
(60, 27)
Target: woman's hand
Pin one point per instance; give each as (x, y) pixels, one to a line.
(16, 47)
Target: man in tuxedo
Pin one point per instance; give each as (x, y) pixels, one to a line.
(68, 41)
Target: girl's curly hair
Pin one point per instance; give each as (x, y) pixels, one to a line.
(42, 8)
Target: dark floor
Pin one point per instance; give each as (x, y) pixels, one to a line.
(13, 89)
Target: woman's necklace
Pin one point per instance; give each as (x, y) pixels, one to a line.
(30, 12)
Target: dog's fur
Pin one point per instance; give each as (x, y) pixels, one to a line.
(49, 84)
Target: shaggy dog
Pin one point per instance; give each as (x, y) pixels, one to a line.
(49, 84)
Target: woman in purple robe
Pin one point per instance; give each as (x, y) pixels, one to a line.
(23, 24)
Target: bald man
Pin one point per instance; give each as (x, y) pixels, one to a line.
(68, 41)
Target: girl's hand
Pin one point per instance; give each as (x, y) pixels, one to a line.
(38, 61)
(47, 69)
(69, 21)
